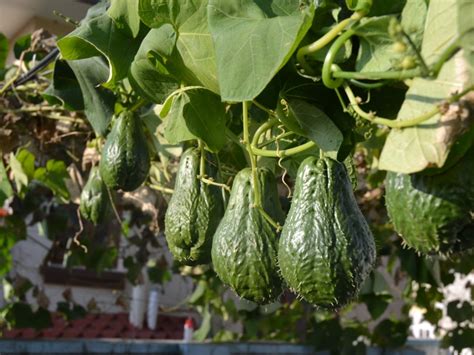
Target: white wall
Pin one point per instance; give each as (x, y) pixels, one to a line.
(28, 255)
(15, 14)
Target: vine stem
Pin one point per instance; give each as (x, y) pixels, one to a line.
(163, 189)
(15, 76)
(275, 153)
(253, 160)
(333, 76)
(114, 208)
(263, 108)
(323, 41)
(212, 182)
(370, 116)
(275, 139)
(284, 153)
(257, 198)
(139, 104)
(32, 109)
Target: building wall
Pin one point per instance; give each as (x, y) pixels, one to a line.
(28, 256)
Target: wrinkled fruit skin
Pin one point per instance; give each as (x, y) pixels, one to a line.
(193, 213)
(94, 198)
(125, 160)
(244, 249)
(432, 213)
(326, 249)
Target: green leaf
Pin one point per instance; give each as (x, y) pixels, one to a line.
(376, 51)
(194, 61)
(380, 8)
(376, 304)
(148, 73)
(6, 189)
(22, 44)
(27, 161)
(316, 125)
(125, 16)
(98, 101)
(53, 176)
(155, 13)
(466, 30)
(19, 175)
(253, 40)
(21, 315)
(460, 311)
(415, 148)
(205, 328)
(99, 35)
(363, 6)
(198, 292)
(3, 50)
(390, 333)
(196, 48)
(71, 311)
(413, 20)
(197, 113)
(459, 338)
(64, 88)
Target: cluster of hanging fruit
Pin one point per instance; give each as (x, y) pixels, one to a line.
(325, 249)
(124, 165)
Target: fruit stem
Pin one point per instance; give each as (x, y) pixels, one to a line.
(269, 219)
(253, 160)
(202, 160)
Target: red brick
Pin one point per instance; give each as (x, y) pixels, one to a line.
(72, 333)
(28, 333)
(91, 333)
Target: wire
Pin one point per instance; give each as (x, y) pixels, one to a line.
(30, 75)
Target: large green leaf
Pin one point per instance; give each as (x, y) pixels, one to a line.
(375, 53)
(415, 148)
(64, 88)
(125, 15)
(413, 20)
(253, 40)
(196, 113)
(98, 101)
(100, 35)
(466, 30)
(376, 45)
(194, 61)
(154, 13)
(197, 50)
(148, 73)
